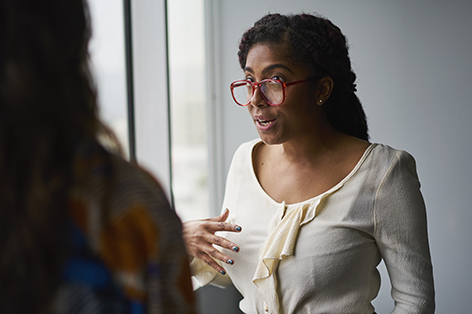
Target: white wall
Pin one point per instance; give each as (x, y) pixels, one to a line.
(414, 66)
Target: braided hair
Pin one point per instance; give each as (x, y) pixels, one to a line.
(318, 44)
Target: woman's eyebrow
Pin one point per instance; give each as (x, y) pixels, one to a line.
(248, 69)
(269, 68)
(275, 66)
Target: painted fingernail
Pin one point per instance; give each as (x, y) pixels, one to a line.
(238, 228)
(222, 272)
(230, 261)
(235, 248)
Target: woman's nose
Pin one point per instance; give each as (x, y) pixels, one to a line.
(257, 100)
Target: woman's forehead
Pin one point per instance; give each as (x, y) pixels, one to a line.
(267, 54)
(265, 57)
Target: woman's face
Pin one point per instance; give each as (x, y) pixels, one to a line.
(296, 116)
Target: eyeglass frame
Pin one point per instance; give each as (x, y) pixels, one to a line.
(255, 85)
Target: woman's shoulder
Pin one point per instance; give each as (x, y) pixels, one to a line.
(133, 184)
(392, 160)
(388, 153)
(120, 188)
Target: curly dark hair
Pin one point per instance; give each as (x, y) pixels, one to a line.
(317, 43)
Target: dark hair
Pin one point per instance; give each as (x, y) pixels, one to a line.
(47, 109)
(316, 43)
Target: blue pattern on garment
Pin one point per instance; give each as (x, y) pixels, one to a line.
(85, 277)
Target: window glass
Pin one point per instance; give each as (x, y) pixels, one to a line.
(108, 65)
(188, 110)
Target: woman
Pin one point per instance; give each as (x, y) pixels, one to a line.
(82, 230)
(314, 206)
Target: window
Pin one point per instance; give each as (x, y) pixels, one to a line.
(187, 92)
(108, 66)
(186, 53)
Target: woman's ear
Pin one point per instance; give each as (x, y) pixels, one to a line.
(325, 87)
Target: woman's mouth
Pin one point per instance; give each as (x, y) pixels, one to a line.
(264, 124)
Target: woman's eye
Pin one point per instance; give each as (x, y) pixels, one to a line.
(276, 77)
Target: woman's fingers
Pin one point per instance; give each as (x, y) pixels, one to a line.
(218, 223)
(211, 254)
(212, 263)
(223, 215)
(213, 227)
(211, 251)
(200, 238)
(220, 241)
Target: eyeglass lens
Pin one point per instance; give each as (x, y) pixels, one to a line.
(272, 90)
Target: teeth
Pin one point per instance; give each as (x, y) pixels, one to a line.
(264, 122)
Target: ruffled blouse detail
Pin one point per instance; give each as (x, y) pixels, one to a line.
(281, 243)
(282, 238)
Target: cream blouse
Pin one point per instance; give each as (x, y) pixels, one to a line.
(320, 255)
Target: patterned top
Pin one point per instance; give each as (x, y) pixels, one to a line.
(128, 255)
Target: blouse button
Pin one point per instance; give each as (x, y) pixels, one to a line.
(266, 308)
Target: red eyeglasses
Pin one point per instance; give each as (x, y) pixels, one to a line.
(272, 91)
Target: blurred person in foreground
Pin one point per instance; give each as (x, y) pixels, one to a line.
(82, 230)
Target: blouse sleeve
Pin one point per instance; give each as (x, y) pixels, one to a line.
(401, 235)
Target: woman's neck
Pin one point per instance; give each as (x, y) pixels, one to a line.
(311, 147)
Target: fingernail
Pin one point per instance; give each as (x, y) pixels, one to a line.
(222, 272)
(235, 248)
(230, 261)
(238, 228)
